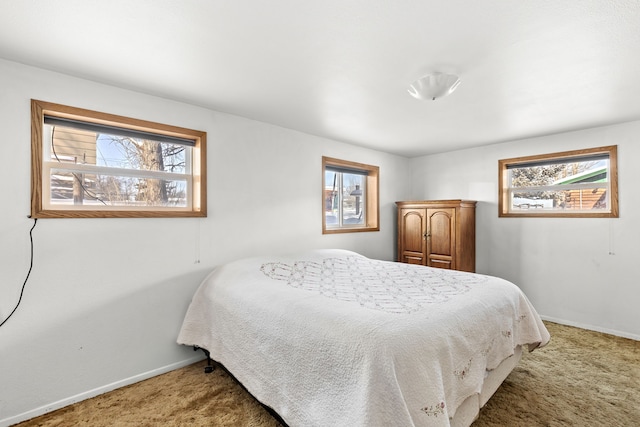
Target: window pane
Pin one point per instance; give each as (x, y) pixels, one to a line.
(574, 199)
(85, 147)
(331, 198)
(353, 199)
(557, 186)
(73, 189)
(561, 173)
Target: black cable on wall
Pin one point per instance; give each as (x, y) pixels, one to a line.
(35, 221)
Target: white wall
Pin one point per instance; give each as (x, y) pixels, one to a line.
(106, 297)
(581, 272)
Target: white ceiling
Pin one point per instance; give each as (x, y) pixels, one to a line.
(341, 68)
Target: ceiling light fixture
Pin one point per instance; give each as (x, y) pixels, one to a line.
(434, 86)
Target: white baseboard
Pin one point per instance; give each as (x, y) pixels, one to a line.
(95, 392)
(592, 328)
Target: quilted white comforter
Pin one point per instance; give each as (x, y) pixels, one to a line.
(331, 338)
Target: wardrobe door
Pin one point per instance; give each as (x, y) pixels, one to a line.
(441, 238)
(412, 232)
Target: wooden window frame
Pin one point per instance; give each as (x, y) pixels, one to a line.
(372, 209)
(198, 164)
(503, 182)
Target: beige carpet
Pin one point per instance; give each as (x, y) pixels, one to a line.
(582, 378)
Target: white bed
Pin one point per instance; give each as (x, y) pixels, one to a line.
(332, 338)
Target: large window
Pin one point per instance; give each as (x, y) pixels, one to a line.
(87, 164)
(580, 183)
(349, 196)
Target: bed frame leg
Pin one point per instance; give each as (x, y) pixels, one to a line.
(209, 368)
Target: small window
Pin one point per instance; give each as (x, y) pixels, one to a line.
(349, 196)
(87, 164)
(581, 183)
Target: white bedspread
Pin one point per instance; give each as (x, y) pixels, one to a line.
(331, 338)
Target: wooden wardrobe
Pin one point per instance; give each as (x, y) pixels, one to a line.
(438, 233)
